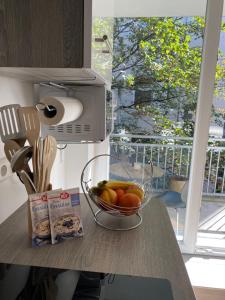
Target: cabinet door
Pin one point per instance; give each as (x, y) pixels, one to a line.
(41, 33)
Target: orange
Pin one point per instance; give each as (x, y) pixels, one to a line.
(120, 193)
(134, 189)
(129, 201)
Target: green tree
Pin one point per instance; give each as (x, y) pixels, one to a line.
(160, 58)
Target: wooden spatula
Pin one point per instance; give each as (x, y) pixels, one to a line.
(10, 125)
(29, 119)
(52, 145)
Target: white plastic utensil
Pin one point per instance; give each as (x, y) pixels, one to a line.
(10, 125)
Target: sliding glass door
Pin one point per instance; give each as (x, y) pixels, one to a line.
(211, 230)
(163, 78)
(209, 71)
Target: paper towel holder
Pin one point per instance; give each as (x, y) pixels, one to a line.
(49, 110)
(96, 121)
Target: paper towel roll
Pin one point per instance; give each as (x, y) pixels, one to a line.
(63, 110)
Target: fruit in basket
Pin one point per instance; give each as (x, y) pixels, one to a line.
(134, 189)
(129, 203)
(120, 193)
(109, 196)
(96, 190)
(127, 196)
(114, 184)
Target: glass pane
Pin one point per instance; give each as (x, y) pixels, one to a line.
(156, 71)
(212, 216)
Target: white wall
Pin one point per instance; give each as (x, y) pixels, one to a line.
(159, 8)
(77, 155)
(12, 192)
(58, 171)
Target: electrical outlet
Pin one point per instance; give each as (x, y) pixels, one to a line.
(5, 169)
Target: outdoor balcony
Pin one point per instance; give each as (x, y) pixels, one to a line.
(171, 160)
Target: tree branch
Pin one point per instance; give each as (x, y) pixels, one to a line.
(132, 51)
(131, 114)
(123, 28)
(128, 67)
(147, 101)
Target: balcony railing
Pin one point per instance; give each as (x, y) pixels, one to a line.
(171, 156)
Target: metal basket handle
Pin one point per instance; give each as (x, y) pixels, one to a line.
(84, 184)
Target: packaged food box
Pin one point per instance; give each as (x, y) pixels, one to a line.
(41, 234)
(65, 215)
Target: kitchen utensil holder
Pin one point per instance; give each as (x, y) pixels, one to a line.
(111, 216)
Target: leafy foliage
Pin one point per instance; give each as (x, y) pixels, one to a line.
(161, 57)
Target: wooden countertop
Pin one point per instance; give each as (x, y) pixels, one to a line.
(150, 250)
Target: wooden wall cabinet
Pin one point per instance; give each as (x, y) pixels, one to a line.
(55, 40)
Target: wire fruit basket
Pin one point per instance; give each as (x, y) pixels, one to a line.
(111, 215)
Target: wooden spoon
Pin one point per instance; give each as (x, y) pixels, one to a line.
(48, 157)
(18, 163)
(20, 159)
(11, 147)
(30, 188)
(39, 162)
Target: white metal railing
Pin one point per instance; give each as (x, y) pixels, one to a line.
(172, 155)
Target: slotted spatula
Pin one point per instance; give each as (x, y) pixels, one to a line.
(10, 125)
